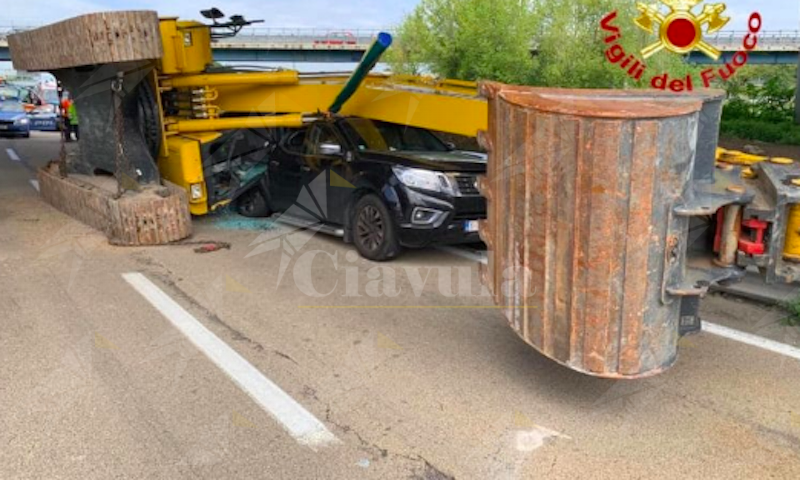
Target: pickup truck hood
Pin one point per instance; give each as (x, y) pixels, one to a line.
(454, 161)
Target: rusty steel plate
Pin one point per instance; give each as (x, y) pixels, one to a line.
(583, 240)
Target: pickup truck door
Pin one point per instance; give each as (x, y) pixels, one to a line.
(287, 169)
(327, 166)
(308, 158)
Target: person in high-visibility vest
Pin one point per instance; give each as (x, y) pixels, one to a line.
(72, 113)
(66, 130)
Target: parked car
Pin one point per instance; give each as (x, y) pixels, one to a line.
(13, 119)
(385, 186)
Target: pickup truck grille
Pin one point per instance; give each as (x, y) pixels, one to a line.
(467, 184)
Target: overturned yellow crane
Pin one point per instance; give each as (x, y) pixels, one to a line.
(592, 194)
(200, 103)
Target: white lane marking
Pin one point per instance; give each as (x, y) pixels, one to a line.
(298, 422)
(475, 256)
(12, 154)
(714, 329)
(752, 340)
(35, 184)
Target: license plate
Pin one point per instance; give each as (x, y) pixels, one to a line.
(471, 226)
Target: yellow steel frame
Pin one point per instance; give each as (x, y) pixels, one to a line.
(379, 98)
(183, 166)
(284, 99)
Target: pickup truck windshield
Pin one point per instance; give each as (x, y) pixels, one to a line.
(390, 137)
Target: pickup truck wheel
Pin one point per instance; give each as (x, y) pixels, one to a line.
(373, 230)
(252, 204)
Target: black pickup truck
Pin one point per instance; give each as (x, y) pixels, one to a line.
(381, 186)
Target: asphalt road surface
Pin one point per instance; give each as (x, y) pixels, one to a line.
(287, 356)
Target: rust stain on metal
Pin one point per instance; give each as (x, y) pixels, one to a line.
(580, 185)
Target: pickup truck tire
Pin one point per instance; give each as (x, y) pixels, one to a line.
(373, 230)
(253, 204)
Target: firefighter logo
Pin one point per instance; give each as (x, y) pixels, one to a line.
(681, 31)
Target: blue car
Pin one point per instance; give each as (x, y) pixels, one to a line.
(13, 120)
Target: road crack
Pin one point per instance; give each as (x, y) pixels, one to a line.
(426, 471)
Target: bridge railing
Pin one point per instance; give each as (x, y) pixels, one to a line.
(6, 30)
(306, 36)
(767, 40)
(269, 35)
(776, 40)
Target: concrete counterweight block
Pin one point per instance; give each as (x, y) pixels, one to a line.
(107, 66)
(156, 215)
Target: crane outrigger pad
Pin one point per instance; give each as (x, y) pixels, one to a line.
(156, 215)
(106, 61)
(92, 39)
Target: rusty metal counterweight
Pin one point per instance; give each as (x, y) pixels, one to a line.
(587, 245)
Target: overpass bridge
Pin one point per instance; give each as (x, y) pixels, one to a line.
(258, 44)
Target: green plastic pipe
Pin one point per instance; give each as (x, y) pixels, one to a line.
(366, 65)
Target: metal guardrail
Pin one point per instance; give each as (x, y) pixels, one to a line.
(304, 38)
(768, 40)
(285, 38)
(269, 34)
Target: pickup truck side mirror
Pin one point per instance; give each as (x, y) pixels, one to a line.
(331, 149)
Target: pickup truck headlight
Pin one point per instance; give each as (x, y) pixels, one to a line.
(421, 179)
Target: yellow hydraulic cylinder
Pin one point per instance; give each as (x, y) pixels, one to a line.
(285, 77)
(233, 123)
(791, 249)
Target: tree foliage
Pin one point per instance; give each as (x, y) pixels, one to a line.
(764, 92)
(467, 39)
(493, 39)
(760, 104)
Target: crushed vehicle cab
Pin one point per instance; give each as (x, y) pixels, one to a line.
(380, 185)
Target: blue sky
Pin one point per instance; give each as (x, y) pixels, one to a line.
(344, 14)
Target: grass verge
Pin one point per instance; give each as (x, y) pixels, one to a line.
(787, 133)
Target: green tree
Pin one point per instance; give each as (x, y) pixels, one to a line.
(467, 39)
(765, 92)
(493, 39)
(571, 46)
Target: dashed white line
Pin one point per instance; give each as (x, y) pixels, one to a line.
(474, 255)
(303, 426)
(35, 184)
(12, 154)
(752, 340)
